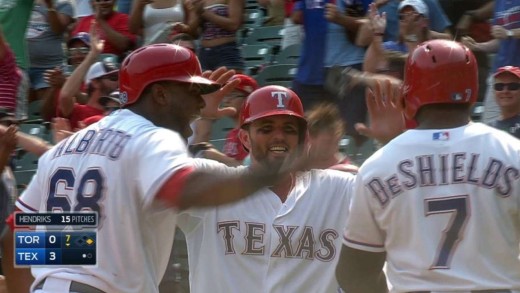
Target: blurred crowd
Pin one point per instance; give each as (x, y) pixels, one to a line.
(60, 59)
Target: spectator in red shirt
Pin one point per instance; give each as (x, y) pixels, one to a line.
(112, 27)
(101, 78)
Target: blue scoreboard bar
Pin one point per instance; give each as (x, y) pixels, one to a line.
(55, 248)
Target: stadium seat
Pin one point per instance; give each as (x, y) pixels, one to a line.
(289, 55)
(256, 55)
(107, 57)
(271, 35)
(278, 74)
(253, 18)
(25, 167)
(477, 111)
(34, 109)
(357, 154)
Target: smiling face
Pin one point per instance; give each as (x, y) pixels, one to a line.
(271, 139)
(507, 96)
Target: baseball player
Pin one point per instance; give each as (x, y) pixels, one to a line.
(285, 239)
(439, 203)
(132, 167)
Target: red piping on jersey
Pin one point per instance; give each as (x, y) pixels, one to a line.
(10, 220)
(172, 188)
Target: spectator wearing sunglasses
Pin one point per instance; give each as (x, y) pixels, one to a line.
(100, 78)
(507, 96)
(112, 27)
(383, 57)
(77, 49)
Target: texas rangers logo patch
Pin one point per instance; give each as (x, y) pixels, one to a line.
(443, 135)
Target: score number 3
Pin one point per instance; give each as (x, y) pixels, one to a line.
(84, 201)
(458, 206)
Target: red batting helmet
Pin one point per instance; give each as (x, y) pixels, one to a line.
(160, 62)
(439, 72)
(270, 101)
(247, 84)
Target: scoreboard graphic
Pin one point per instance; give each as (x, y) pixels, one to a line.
(54, 242)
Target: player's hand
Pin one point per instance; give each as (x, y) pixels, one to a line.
(385, 112)
(212, 109)
(331, 12)
(499, 32)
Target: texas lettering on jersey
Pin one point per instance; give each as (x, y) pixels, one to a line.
(309, 245)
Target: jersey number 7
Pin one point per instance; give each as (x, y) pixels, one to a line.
(457, 206)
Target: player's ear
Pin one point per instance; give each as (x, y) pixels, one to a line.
(244, 137)
(158, 92)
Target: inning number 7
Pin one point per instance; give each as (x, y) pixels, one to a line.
(452, 234)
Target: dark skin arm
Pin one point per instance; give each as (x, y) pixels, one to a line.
(18, 280)
(361, 271)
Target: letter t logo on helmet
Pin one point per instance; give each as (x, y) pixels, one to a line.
(280, 97)
(270, 101)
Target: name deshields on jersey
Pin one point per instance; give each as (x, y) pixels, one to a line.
(444, 169)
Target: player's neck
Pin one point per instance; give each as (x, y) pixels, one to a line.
(441, 120)
(284, 187)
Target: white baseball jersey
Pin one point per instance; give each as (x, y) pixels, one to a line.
(115, 167)
(260, 244)
(444, 205)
